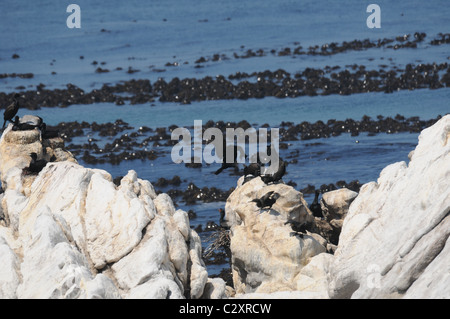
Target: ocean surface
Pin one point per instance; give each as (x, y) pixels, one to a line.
(164, 39)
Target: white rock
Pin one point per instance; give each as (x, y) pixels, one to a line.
(149, 260)
(31, 119)
(9, 270)
(215, 288)
(335, 203)
(396, 230)
(313, 278)
(433, 282)
(394, 241)
(13, 203)
(62, 271)
(164, 205)
(182, 221)
(102, 287)
(199, 275)
(114, 220)
(157, 288)
(71, 233)
(279, 295)
(61, 187)
(265, 257)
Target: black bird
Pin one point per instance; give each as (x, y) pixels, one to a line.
(222, 214)
(315, 207)
(35, 165)
(2, 217)
(21, 126)
(210, 225)
(48, 133)
(278, 175)
(267, 200)
(299, 229)
(252, 169)
(247, 178)
(222, 222)
(226, 165)
(11, 110)
(191, 213)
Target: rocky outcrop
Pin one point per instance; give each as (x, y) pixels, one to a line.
(395, 238)
(335, 205)
(265, 257)
(70, 232)
(394, 241)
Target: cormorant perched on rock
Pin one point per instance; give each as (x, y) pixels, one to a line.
(11, 110)
(222, 221)
(299, 229)
(226, 165)
(191, 214)
(35, 165)
(315, 207)
(22, 126)
(253, 169)
(278, 175)
(267, 200)
(2, 215)
(222, 215)
(48, 133)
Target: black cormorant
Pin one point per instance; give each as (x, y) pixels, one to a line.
(222, 215)
(11, 110)
(278, 175)
(48, 133)
(21, 126)
(299, 229)
(267, 200)
(35, 165)
(223, 224)
(252, 169)
(315, 207)
(226, 165)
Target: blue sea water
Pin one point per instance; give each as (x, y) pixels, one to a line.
(145, 35)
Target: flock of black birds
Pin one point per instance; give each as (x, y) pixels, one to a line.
(299, 229)
(254, 170)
